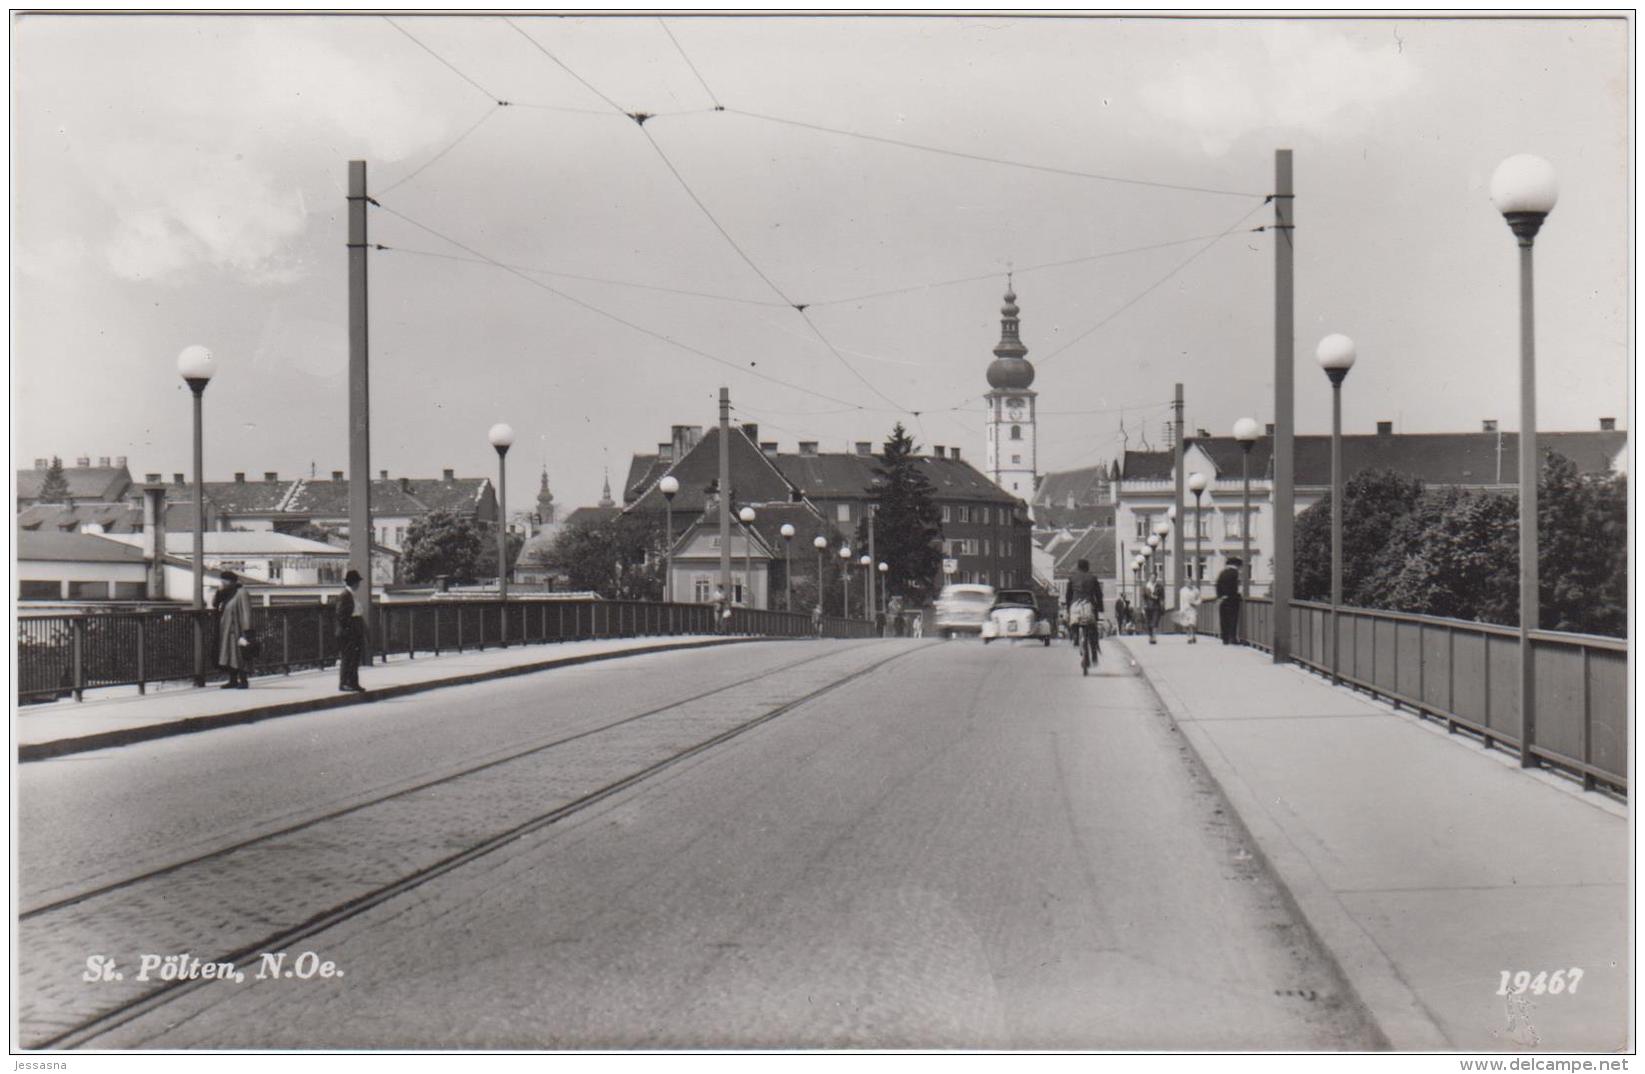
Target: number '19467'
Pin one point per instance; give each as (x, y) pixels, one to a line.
(1542, 983)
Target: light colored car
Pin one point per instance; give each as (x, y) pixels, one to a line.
(1015, 614)
(963, 608)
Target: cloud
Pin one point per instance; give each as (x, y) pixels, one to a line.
(1282, 75)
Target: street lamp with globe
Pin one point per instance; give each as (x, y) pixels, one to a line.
(820, 543)
(502, 438)
(845, 581)
(788, 566)
(1336, 355)
(1196, 485)
(1524, 190)
(1245, 431)
(669, 486)
(196, 365)
(746, 517)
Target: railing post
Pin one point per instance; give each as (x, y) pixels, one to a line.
(285, 641)
(80, 656)
(1587, 730)
(434, 609)
(199, 649)
(1485, 641)
(411, 633)
(142, 656)
(459, 628)
(320, 637)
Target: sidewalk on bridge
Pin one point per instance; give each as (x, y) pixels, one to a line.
(1425, 864)
(123, 716)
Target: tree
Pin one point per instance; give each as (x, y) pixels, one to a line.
(907, 522)
(486, 565)
(620, 558)
(1583, 550)
(1446, 559)
(1374, 501)
(56, 486)
(442, 543)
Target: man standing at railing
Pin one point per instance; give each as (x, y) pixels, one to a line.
(1229, 598)
(234, 638)
(351, 633)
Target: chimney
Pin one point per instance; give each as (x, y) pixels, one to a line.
(942, 452)
(752, 431)
(1270, 428)
(84, 460)
(1488, 425)
(808, 447)
(41, 464)
(176, 479)
(1203, 434)
(336, 475)
(665, 451)
(1607, 425)
(953, 453)
(271, 476)
(405, 484)
(449, 475)
(120, 460)
(685, 438)
(153, 479)
(154, 539)
(103, 461)
(239, 477)
(1385, 428)
(383, 474)
(864, 447)
(768, 447)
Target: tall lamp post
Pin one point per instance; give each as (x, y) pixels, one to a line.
(1524, 190)
(1245, 431)
(884, 598)
(1196, 485)
(788, 566)
(197, 366)
(1336, 357)
(867, 587)
(1162, 530)
(845, 581)
(746, 516)
(820, 543)
(502, 437)
(668, 486)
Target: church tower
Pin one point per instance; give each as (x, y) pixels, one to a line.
(1013, 448)
(545, 503)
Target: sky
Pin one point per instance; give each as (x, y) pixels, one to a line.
(591, 280)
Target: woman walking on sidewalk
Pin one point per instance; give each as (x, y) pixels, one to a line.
(1188, 610)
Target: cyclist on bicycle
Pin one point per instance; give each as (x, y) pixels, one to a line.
(1084, 588)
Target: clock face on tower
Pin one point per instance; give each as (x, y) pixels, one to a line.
(1013, 408)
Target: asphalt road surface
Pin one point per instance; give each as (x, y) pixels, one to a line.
(885, 844)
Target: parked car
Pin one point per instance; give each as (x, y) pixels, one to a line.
(963, 608)
(1015, 614)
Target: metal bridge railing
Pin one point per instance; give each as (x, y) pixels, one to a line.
(60, 655)
(1467, 674)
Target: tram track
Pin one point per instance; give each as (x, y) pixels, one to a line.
(485, 784)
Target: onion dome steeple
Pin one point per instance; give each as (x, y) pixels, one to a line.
(545, 501)
(1010, 368)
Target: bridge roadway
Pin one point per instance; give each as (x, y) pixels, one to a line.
(895, 843)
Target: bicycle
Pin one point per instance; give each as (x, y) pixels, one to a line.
(1088, 640)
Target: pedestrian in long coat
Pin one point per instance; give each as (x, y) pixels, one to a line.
(233, 606)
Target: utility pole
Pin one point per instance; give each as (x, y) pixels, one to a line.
(725, 494)
(873, 565)
(1284, 400)
(1180, 456)
(359, 398)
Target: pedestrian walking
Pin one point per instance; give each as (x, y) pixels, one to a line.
(1153, 607)
(1122, 614)
(1228, 597)
(236, 643)
(1188, 611)
(351, 633)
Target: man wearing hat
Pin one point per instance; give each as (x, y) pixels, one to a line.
(1228, 595)
(234, 638)
(351, 633)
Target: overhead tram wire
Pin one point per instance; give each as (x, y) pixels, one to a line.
(1006, 162)
(556, 61)
(476, 125)
(748, 371)
(448, 64)
(1145, 292)
(587, 279)
(718, 107)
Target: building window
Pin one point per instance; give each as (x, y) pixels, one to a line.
(1145, 525)
(1016, 432)
(842, 512)
(1017, 459)
(945, 517)
(987, 550)
(1232, 522)
(702, 589)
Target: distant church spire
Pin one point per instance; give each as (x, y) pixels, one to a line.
(545, 501)
(605, 494)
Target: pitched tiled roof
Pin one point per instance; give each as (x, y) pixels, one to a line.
(1095, 545)
(1074, 518)
(754, 478)
(846, 476)
(240, 543)
(247, 497)
(62, 518)
(75, 548)
(1088, 486)
(460, 494)
(1437, 458)
(100, 483)
(642, 471)
(392, 497)
(583, 516)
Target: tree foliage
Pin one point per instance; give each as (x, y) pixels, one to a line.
(442, 543)
(1456, 554)
(55, 489)
(907, 522)
(620, 558)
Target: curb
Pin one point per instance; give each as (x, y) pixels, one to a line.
(127, 736)
(1369, 978)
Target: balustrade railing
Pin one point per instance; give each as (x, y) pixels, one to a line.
(59, 655)
(1466, 674)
